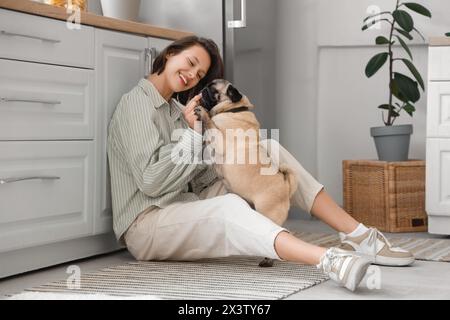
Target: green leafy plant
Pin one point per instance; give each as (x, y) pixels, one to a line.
(402, 87)
(448, 34)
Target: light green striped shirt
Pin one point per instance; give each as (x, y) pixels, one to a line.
(140, 150)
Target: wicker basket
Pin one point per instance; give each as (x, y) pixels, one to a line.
(387, 195)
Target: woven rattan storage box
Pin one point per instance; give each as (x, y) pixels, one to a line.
(387, 195)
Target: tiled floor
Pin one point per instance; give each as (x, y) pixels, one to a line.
(422, 280)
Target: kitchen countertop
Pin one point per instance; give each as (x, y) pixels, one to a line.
(439, 41)
(91, 19)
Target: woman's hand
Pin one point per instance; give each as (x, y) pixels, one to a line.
(189, 114)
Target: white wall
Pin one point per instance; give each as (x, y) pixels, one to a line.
(326, 105)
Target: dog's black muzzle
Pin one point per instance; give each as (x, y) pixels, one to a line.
(207, 101)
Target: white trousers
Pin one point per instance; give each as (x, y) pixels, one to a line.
(220, 224)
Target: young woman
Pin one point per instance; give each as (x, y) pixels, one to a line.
(172, 210)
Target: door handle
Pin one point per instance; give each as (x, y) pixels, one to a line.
(11, 34)
(243, 22)
(150, 56)
(11, 180)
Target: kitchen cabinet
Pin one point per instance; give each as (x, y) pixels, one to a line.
(437, 199)
(58, 91)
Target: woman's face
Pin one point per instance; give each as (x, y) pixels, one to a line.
(184, 70)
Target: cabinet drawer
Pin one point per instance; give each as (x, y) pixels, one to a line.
(438, 109)
(45, 192)
(437, 194)
(439, 63)
(44, 102)
(33, 38)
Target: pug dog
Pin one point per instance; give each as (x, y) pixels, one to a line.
(231, 127)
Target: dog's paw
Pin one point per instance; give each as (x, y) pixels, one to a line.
(266, 263)
(198, 113)
(202, 115)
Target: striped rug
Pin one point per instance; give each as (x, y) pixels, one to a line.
(225, 278)
(422, 248)
(228, 278)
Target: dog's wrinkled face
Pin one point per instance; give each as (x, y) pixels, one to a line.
(219, 91)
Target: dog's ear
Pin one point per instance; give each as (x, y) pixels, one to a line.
(234, 94)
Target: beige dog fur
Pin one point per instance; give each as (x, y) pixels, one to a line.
(268, 194)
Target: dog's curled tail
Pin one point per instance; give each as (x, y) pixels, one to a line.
(289, 176)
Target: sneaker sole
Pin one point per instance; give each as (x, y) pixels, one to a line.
(395, 262)
(388, 261)
(357, 273)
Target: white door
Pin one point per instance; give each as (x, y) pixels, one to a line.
(120, 64)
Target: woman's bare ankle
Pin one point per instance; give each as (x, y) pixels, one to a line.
(291, 248)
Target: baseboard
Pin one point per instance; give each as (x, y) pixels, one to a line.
(439, 224)
(28, 259)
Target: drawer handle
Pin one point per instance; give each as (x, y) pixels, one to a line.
(32, 101)
(11, 180)
(6, 33)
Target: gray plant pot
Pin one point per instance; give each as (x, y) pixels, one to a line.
(392, 142)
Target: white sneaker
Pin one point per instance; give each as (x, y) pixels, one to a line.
(374, 245)
(344, 267)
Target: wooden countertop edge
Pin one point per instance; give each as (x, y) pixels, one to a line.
(90, 19)
(439, 41)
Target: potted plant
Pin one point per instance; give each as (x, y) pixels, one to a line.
(392, 141)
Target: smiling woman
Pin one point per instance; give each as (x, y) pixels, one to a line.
(191, 63)
(182, 71)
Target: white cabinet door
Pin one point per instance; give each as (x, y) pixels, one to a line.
(45, 192)
(155, 46)
(120, 61)
(438, 177)
(438, 109)
(439, 63)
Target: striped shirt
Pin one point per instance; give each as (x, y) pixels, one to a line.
(140, 155)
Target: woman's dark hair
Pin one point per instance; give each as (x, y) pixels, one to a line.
(215, 71)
